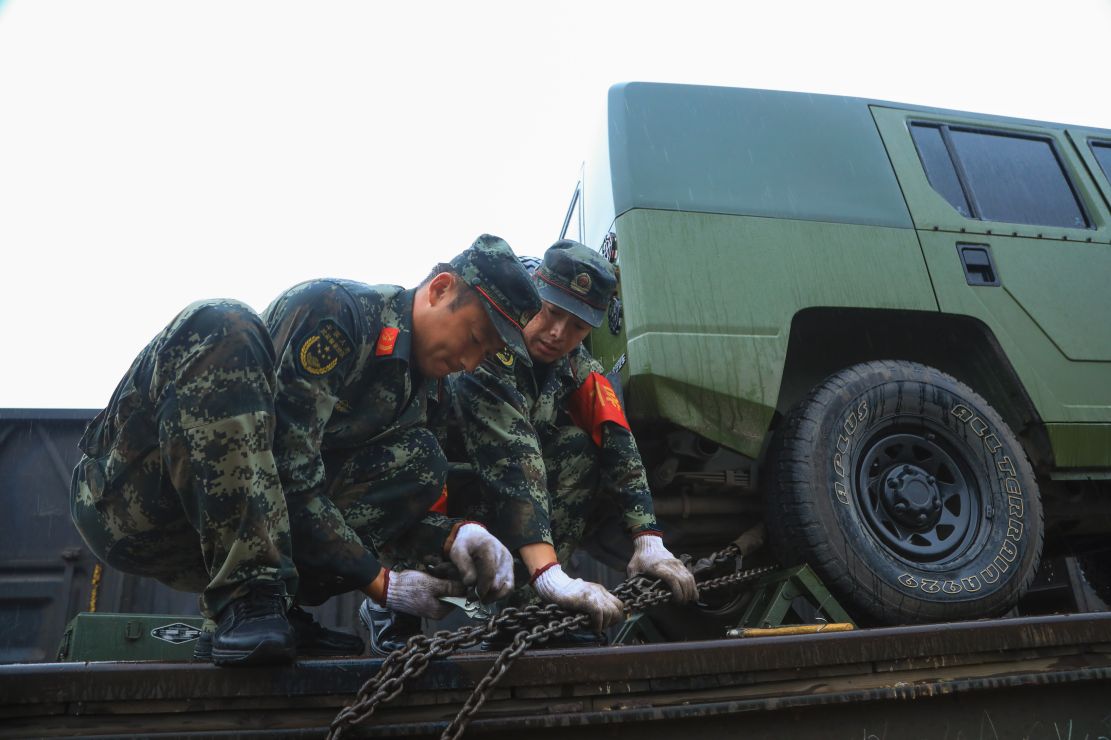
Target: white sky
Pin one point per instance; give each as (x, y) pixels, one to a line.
(155, 152)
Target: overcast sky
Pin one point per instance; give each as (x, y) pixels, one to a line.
(155, 152)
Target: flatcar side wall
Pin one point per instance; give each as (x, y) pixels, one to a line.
(45, 568)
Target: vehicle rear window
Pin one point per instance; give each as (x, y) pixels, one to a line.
(1102, 151)
(996, 176)
(939, 166)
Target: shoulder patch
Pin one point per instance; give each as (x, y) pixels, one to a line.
(323, 349)
(506, 358)
(387, 339)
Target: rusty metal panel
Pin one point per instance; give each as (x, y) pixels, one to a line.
(44, 566)
(1023, 677)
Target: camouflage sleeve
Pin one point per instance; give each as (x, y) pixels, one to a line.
(624, 473)
(430, 534)
(423, 543)
(504, 449)
(622, 469)
(317, 335)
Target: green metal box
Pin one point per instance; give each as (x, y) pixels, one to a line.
(92, 636)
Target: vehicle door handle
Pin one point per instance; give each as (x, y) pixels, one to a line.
(979, 267)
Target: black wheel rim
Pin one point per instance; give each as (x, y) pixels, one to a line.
(919, 496)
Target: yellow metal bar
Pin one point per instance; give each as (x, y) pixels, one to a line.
(795, 629)
(97, 571)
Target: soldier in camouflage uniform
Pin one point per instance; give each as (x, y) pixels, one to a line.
(550, 442)
(359, 467)
(241, 452)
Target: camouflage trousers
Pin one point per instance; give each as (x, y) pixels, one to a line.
(178, 480)
(383, 492)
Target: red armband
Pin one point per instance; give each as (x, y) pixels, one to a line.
(595, 403)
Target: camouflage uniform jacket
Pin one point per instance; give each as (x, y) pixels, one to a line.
(507, 413)
(344, 379)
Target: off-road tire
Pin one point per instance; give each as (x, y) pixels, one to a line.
(967, 539)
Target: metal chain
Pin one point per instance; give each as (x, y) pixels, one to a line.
(650, 595)
(411, 660)
(530, 624)
(522, 641)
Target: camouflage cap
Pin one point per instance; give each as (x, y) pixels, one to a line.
(577, 279)
(490, 267)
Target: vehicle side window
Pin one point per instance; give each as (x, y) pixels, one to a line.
(1102, 152)
(998, 176)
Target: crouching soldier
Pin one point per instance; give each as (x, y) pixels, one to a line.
(550, 444)
(257, 459)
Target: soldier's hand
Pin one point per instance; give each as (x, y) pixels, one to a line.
(414, 592)
(482, 561)
(575, 594)
(653, 558)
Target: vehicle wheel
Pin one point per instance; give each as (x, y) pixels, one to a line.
(1096, 568)
(907, 494)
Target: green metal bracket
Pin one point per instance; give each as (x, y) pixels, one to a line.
(774, 599)
(783, 597)
(638, 629)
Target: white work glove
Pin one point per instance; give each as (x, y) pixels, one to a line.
(414, 592)
(653, 558)
(581, 596)
(483, 561)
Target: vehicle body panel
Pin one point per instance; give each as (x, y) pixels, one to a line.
(749, 152)
(1050, 311)
(706, 347)
(734, 210)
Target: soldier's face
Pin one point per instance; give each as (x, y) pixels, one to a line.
(447, 339)
(553, 332)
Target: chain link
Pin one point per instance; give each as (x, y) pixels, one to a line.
(529, 625)
(522, 641)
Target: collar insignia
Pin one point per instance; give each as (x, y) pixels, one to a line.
(387, 338)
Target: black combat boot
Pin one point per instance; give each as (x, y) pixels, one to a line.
(202, 651)
(387, 629)
(314, 639)
(253, 630)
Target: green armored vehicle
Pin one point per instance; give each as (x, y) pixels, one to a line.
(881, 330)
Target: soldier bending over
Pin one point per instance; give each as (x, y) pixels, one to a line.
(550, 444)
(256, 459)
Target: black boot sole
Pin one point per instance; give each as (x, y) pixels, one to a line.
(265, 653)
(308, 652)
(202, 652)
